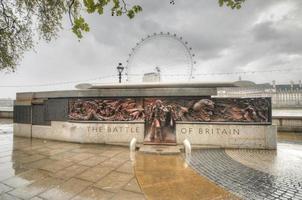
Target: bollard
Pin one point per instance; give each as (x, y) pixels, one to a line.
(187, 146)
(133, 144)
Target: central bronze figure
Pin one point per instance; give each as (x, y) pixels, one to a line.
(160, 122)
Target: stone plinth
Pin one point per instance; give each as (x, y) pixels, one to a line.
(215, 135)
(160, 149)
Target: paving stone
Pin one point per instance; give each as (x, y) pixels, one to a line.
(126, 195)
(95, 173)
(127, 167)
(36, 198)
(26, 178)
(57, 165)
(113, 162)
(93, 193)
(6, 196)
(70, 172)
(93, 161)
(114, 181)
(4, 188)
(66, 190)
(133, 186)
(80, 157)
(35, 188)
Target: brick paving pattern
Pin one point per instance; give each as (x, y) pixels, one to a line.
(249, 182)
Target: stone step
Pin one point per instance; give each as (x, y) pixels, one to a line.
(160, 149)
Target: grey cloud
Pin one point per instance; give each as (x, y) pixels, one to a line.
(223, 40)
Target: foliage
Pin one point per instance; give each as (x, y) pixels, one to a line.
(231, 3)
(23, 21)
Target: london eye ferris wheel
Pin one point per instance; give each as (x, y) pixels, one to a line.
(166, 54)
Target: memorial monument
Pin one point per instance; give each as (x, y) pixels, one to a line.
(153, 113)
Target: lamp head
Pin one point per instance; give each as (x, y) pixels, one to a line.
(120, 68)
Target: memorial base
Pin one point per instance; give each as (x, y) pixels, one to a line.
(121, 133)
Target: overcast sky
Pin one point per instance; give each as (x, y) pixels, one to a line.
(261, 36)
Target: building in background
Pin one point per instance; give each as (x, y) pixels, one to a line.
(6, 103)
(283, 95)
(6, 108)
(152, 76)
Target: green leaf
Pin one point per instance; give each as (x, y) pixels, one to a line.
(79, 27)
(130, 14)
(220, 2)
(90, 6)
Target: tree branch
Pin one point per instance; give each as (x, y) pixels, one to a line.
(125, 9)
(69, 11)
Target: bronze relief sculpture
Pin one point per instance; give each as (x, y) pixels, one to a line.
(106, 109)
(161, 114)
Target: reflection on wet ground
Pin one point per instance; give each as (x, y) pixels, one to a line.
(6, 126)
(168, 177)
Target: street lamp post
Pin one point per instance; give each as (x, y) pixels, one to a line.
(120, 69)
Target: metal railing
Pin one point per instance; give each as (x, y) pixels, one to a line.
(287, 98)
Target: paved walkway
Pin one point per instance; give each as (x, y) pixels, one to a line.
(253, 174)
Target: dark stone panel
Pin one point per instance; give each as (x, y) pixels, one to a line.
(39, 115)
(56, 110)
(22, 114)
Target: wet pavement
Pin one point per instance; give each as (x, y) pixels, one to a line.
(169, 177)
(42, 169)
